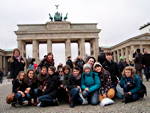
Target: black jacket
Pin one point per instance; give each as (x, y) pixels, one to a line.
(18, 86)
(52, 85)
(46, 63)
(73, 82)
(16, 67)
(146, 59)
(112, 67)
(41, 81)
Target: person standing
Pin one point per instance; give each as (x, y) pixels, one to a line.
(112, 67)
(146, 64)
(17, 63)
(69, 62)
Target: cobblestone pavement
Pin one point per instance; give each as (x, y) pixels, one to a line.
(141, 106)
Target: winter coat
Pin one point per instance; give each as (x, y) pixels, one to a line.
(106, 82)
(90, 80)
(16, 66)
(52, 85)
(41, 81)
(112, 67)
(46, 63)
(74, 82)
(18, 85)
(136, 83)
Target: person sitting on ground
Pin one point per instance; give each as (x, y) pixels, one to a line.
(19, 89)
(30, 81)
(106, 90)
(74, 88)
(90, 84)
(41, 82)
(131, 84)
(50, 91)
(64, 74)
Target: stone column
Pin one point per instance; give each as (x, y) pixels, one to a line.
(49, 46)
(126, 54)
(132, 50)
(35, 53)
(114, 56)
(67, 48)
(118, 55)
(141, 48)
(122, 52)
(96, 48)
(81, 47)
(22, 47)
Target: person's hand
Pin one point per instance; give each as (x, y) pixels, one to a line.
(129, 93)
(86, 89)
(27, 90)
(61, 85)
(66, 89)
(78, 87)
(22, 61)
(23, 95)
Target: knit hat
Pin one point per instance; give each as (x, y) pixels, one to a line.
(96, 64)
(85, 66)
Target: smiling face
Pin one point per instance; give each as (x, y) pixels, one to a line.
(87, 70)
(76, 72)
(98, 69)
(50, 71)
(44, 71)
(16, 53)
(30, 74)
(128, 73)
(91, 61)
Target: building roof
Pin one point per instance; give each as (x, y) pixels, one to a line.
(144, 26)
(130, 39)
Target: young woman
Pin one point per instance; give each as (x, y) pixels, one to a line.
(131, 84)
(19, 88)
(41, 82)
(106, 89)
(31, 84)
(90, 84)
(17, 63)
(49, 96)
(48, 61)
(74, 87)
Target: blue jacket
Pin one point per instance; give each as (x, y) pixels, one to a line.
(90, 80)
(136, 80)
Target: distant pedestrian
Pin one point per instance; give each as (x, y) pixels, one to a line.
(1, 76)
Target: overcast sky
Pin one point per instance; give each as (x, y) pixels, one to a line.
(118, 19)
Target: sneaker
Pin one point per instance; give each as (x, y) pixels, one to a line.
(13, 104)
(39, 104)
(72, 105)
(84, 101)
(56, 102)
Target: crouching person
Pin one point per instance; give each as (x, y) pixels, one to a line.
(106, 90)
(131, 84)
(49, 97)
(41, 82)
(74, 88)
(18, 89)
(30, 81)
(90, 84)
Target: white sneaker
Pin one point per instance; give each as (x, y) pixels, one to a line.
(39, 104)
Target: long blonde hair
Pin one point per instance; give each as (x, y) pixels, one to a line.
(130, 68)
(19, 74)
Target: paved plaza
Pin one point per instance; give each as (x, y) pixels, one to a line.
(141, 106)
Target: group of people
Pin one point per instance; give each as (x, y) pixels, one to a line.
(81, 82)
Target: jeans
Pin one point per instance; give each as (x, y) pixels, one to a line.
(19, 97)
(93, 97)
(147, 72)
(45, 100)
(75, 97)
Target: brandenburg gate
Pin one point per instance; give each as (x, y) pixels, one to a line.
(58, 30)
